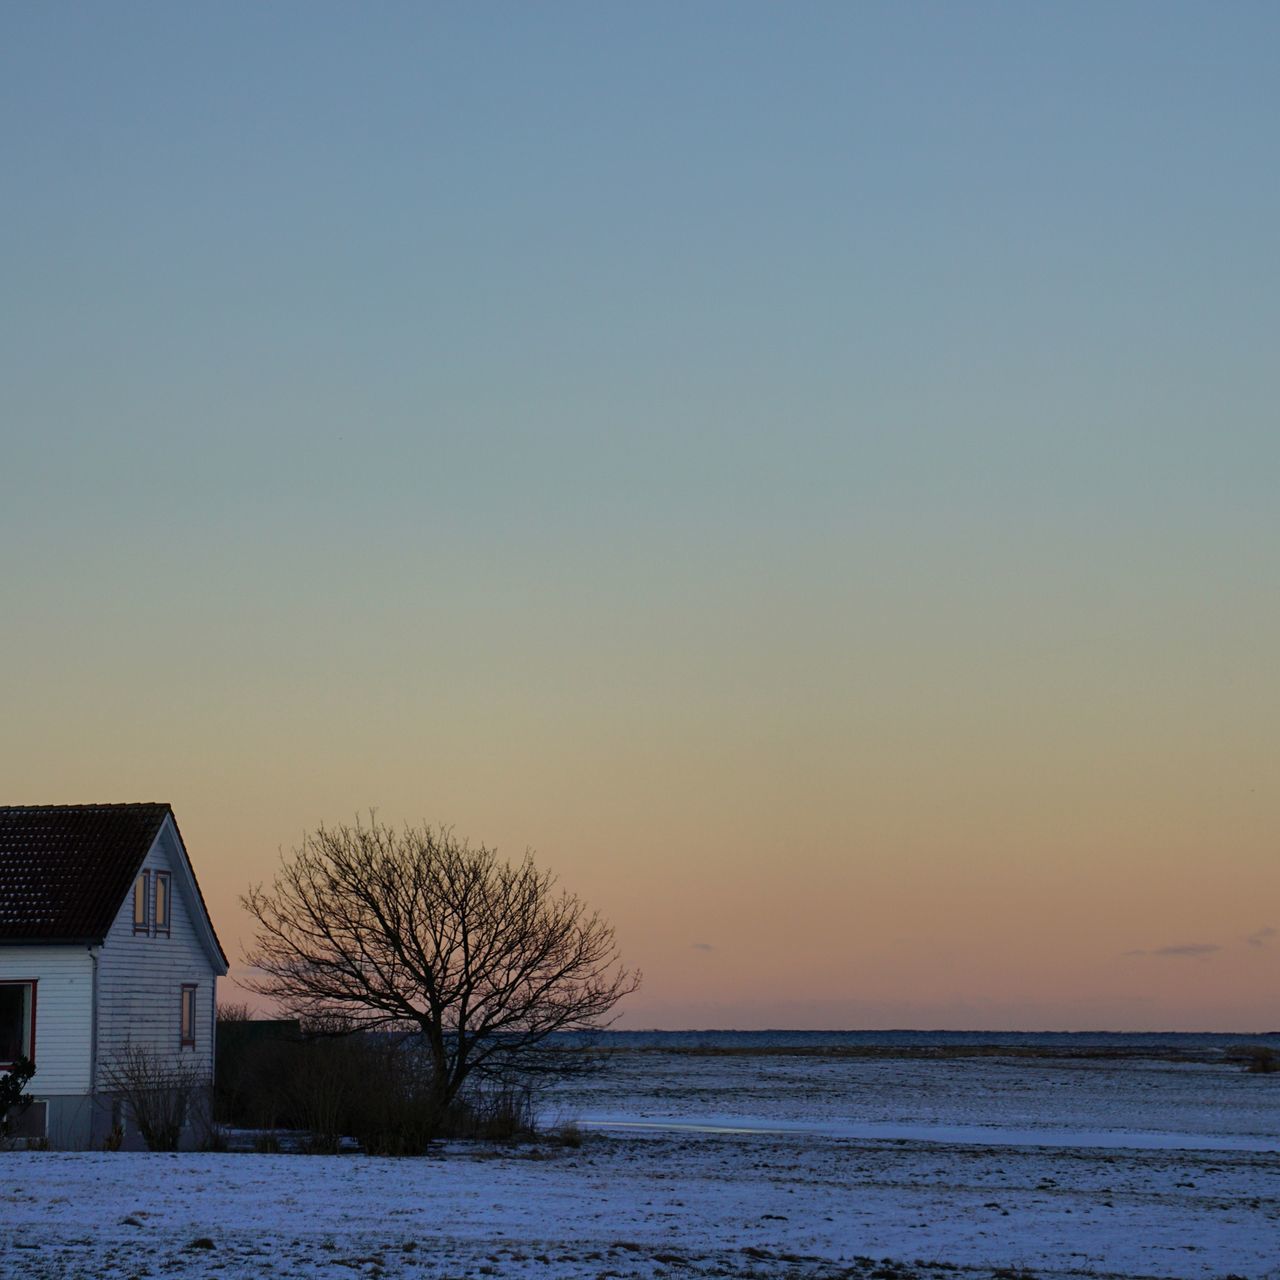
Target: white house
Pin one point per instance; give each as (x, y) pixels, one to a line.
(105, 941)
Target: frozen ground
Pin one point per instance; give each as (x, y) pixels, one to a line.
(662, 1202)
(1198, 1104)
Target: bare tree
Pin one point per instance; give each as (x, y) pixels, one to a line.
(416, 928)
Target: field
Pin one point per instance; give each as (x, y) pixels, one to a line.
(790, 1165)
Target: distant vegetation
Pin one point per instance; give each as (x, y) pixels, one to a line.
(1258, 1059)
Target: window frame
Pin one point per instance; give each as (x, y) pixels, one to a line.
(31, 983)
(142, 894)
(158, 929)
(187, 1034)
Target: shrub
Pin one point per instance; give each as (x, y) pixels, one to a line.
(158, 1091)
(396, 1112)
(201, 1120)
(568, 1135)
(494, 1112)
(334, 1082)
(14, 1099)
(1257, 1059)
(257, 1059)
(1263, 1061)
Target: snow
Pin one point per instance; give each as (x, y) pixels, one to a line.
(1097, 1096)
(1118, 1175)
(983, 1135)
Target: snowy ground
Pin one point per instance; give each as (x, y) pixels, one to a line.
(659, 1202)
(1206, 1104)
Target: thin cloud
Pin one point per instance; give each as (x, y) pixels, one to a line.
(702, 946)
(1260, 937)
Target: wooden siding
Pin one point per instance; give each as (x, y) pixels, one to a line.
(64, 1013)
(141, 976)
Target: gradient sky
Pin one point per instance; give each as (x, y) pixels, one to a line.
(808, 471)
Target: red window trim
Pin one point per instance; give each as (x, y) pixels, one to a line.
(163, 930)
(143, 926)
(187, 1042)
(31, 1034)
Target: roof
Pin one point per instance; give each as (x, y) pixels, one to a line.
(65, 869)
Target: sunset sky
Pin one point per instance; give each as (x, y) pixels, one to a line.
(807, 471)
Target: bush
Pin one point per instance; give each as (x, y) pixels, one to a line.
(396, 1112)
(1263, 1061)
(377, 1088)
(210, 1135)
(490, 1113)
(322, 1077)
(323, 1086)
(1257, 1059)
(568, 1135)
(257, 1060)
(13, 1098)
(158, 1091)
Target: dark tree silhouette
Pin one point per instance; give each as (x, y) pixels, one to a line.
(13, 1101)
(416, 928)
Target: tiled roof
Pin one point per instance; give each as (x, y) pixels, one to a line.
(65, 869)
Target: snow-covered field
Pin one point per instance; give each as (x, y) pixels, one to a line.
(1127, 1100)
(796, 1193)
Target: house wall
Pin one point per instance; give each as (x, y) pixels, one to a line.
(64, 1013)
(64, 1037)
(140, 977)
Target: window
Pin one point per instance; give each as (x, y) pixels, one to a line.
(142, 903)
(188, 1014)
(162, 903)
(17, 1021)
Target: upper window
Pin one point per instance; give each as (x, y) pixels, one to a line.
(188, 1013)
(17, 1022)
(162, 902)
(142, 903)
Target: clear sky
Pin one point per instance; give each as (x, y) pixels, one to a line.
(808, 471)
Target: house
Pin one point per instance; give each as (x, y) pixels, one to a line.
(105, 943)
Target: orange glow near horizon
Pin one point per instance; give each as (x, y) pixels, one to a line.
(810, 477)
(791, 879)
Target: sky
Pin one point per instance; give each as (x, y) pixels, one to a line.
(808, 472)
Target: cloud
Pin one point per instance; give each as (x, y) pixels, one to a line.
(1181, 949)
(1260, 937)
(702, 946)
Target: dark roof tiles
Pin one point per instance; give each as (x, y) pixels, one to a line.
(65, 869)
